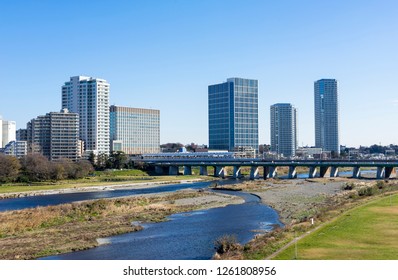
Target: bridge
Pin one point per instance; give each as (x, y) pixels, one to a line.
(385, 169)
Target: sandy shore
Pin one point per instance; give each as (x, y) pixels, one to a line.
(296, 199)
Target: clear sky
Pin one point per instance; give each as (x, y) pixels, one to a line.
(164, 54)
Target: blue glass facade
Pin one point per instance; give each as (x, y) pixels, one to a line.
(233, 114)
(326, 115)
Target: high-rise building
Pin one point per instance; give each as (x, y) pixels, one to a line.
(326, 115)
(89, 97)
(22, 134)
(284, 129)
(55, 135)
(7, 132)
(134, 130)
(233, 114)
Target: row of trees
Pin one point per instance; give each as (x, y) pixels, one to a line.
(116, 160)
(35, 167)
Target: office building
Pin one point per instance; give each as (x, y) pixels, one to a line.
(55, 135)
(134, 130)
(233, 114)
(89, 97)
(7, 132)
(284, 129)
(327, 116)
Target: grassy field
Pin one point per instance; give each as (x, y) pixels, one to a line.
(368, 232)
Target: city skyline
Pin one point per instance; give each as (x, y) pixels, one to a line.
(163, 55)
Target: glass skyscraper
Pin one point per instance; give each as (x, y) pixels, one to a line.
(233, 114)
(284, 129)
(326, 115)
(134, 130)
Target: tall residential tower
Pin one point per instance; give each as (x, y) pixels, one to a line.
(284, 129)
(326, 115)
(89, 97)
(233, 114)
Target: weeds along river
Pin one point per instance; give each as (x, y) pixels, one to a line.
(185, 236)
(189, 235)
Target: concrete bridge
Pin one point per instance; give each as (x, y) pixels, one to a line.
(329, 168)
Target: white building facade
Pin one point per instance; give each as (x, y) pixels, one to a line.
(89, 97)
(7, 132)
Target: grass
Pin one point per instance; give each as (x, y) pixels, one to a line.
(366, 232)
(42, 231)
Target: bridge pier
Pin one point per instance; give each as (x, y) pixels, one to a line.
(160, 170)
(273, 172)
(312, 172)
(384, 172)
(334, 172)
(381, 172)
(203, 171)
(173, 170)
(187, 170)
(265, 172)
(356, 172)
(292, 172)
(389, 171)
(324, 171)
(254, 173)
(237, 172)
(219, 171)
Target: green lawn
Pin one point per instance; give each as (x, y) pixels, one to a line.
(368, 232)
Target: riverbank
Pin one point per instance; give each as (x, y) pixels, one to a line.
(77, 187)
(44, 231)
(304, 205)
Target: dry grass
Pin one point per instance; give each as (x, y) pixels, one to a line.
(42, 231)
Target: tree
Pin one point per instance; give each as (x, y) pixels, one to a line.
(9, 168)
(83, 168)
(101, 159)
(36, 167)
(117, 160)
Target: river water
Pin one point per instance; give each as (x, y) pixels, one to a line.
(186, 236)
(189, 235)
(55, 199)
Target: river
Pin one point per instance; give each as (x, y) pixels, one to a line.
(55, 199)
(189, 235)
(185, 236)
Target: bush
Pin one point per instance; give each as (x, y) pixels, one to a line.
(226, 243)
(366, 191)
(348, 186)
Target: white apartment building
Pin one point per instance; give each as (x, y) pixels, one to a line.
(89, 97)
(7, 132)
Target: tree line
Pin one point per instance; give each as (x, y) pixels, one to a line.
(36, 168)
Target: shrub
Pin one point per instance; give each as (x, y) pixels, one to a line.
(366, 191)
(226, 243)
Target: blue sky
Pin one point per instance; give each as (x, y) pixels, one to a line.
(164, 54)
